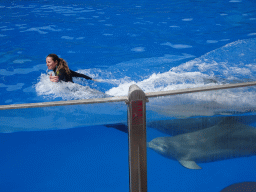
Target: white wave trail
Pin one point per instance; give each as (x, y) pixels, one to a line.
(232, 63)
(65, 90)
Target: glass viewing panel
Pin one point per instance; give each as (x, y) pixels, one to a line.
(66, 148)
(201, 141)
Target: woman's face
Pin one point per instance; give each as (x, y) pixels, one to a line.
(50, 63)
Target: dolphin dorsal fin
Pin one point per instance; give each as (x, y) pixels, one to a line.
(189, 164)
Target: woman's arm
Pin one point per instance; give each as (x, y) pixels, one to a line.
(75, 74)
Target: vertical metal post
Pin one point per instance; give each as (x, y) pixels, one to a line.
(137, 139)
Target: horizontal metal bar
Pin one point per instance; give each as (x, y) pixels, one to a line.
(63, 103)
(124, 98)
(199, 89)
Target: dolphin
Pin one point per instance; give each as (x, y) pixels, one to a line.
(228, 139)
(180, 126)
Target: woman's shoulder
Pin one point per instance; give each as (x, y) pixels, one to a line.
(62, 70)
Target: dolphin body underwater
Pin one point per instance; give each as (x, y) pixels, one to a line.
(180, 126)
(225, 140)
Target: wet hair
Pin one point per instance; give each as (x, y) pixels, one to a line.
(61, 63)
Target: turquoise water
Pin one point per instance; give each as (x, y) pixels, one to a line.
(159, 45)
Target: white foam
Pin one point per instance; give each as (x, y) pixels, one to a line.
(251, 34)
(162, 82)
(10, 29)
(36, 30)
(21, 26)
(12, 87)
(8, 101)
(40, 29)
(154, 61)
(22, 70)
(50, 28)
(187, 19)
(83, 18)
(233, 62)
(224, 39)
(30, 89)
(108, 25)
(121, 90)
(177, 46)
(65, 90)
(138, 49)
(22, 61)
(235, 1)
(67, 37)
(69, 14)
(107, 34)
(211, 41)
(78, 9)
(86, 11)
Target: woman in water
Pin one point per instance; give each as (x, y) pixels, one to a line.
(61, 70)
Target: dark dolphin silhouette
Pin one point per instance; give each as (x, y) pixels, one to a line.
(119, 126)
(180, 126)
(238, 187)
(228, 139)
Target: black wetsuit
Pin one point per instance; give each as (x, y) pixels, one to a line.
(63, 76)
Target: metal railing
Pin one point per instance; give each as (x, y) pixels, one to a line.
(125, 98)
(136, 101)
(63, 103)
(137, 139)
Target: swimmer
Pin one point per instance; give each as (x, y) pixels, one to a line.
(62, 71)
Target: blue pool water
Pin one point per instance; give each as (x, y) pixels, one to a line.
(159, 45)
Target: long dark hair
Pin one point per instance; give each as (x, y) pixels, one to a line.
(61, 63)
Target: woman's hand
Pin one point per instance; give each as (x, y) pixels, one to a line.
(54, 78)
